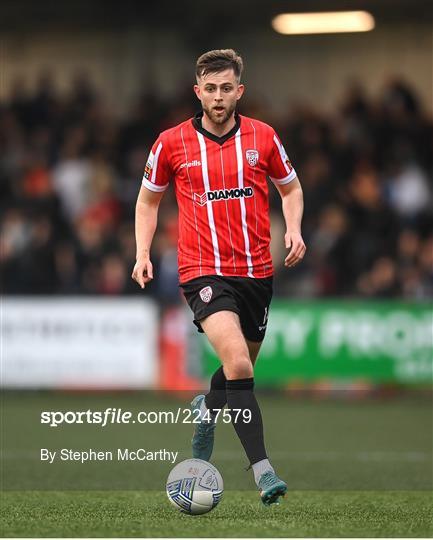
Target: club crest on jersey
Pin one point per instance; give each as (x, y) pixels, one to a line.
(222, 194)
(206, 294)
(252, 157)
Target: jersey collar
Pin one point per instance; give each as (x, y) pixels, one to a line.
(196, 122)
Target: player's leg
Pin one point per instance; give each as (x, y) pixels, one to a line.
(253, 349)
(216, 398)
(224, 332)
(205, 296)
(271, 487)
(212, 403)
(225, 335)
(256, 297)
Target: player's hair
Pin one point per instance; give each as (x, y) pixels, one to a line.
(219, 60)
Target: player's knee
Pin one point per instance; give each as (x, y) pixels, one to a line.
(240, 369)
(233, 351)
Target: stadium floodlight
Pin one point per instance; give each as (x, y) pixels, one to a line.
(329, 22)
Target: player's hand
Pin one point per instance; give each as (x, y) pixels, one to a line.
(296, 247)
(143, 271)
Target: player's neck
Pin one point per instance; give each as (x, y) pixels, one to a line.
(218, 129)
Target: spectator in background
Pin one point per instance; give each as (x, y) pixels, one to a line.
(372, 223)
(380, 281)
(69, 172)
(407, 187)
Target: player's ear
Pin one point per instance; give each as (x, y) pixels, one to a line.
(241, 89)
(197, 91)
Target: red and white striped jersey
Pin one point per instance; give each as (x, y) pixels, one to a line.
(222, 193)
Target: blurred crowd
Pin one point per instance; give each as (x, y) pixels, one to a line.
(70, 171)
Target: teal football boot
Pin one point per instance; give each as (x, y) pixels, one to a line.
(271, 488)
(203, 438)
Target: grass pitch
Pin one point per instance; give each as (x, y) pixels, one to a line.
(354, 469)
(240, 514)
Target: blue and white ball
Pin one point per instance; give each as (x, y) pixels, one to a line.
(194, 486)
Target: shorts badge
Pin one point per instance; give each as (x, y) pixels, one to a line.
(206, 294)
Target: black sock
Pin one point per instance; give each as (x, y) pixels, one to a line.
(249, 427)
(216, 397)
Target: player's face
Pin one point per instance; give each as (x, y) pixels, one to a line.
(219, 93)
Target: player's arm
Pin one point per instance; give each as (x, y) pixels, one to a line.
(293, 208)
(146, 218)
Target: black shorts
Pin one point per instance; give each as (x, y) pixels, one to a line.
(248, 297)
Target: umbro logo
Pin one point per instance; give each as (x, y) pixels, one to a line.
(194, 163)
(222, 194)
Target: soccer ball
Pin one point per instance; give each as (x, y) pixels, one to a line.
(194, 486)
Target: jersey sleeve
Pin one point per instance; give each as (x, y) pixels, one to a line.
(280, 169)
(157, 172)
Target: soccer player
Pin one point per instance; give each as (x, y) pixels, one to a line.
(218, 163)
